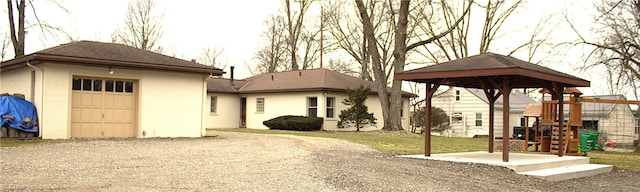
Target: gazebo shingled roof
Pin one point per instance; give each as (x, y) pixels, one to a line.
(495, 74)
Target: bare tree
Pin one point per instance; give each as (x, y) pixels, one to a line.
(294, 22)
(391, 105)
(272, 57)
(212, 57)
(618, 48)
(142, 27)
(342, 66)
(19, 27)
(17, 34)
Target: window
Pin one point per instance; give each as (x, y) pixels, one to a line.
(119, 86)
(330, 104)
(312, 106)
(128, 86)
(457, 95)
(97, 85)
(478, 119)
(259, 104)
(108, 85)
(523, 121)
(86, 84)
(402, 108)
(214, 104)
(637, 125)
(77, 84)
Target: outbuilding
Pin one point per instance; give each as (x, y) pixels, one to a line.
(91, 89)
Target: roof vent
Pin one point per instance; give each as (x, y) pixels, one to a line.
(300, 73)
(271, 77)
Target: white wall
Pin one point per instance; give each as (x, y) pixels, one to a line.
(295, 103)
(468, 106)
(618, 126)
(228, 111)
(16, 81)
(169, 103)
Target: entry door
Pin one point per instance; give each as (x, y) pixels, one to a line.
(103, 108)
(243, 112)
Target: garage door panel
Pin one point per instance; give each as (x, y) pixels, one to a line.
(100, 111)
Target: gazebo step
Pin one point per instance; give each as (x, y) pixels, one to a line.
(569, 172)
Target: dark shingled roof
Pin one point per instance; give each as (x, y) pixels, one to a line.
(111, 54)
(223, 85)
(466, 71)
(297, 81)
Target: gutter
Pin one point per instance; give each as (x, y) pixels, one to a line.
(33, 88)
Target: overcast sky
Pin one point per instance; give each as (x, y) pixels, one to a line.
(236, 25)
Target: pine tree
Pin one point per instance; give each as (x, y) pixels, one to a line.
(358, 114)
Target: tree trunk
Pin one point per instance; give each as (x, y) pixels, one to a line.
(399, 54)
(17, 35)
(379, 75)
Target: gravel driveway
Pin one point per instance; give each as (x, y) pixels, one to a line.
(251, 162)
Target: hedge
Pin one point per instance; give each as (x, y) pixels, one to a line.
(295, 123)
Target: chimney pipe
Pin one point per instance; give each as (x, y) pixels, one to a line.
(231, 79)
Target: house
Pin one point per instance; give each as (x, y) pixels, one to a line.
(316, 92)
(615, 122)
(469, 111)
(90, 89)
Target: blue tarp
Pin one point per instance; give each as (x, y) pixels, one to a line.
(19, 109)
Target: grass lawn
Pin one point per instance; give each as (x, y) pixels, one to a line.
(414, 144)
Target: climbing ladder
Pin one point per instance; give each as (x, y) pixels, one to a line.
(570, 126)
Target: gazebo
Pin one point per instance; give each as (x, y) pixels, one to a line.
(497, 75)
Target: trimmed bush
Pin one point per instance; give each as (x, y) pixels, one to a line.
(295, 123)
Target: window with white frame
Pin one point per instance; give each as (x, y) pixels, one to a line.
(330, 104)
(312, 106)
(523, 121)
(478, 119)
(637, 125)
(457, 95)
(214, 104)
(402, 108)
(259, 104)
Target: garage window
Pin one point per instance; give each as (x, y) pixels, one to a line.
(77, 84)
(128, 86)
(108, 85)
(97, 85)
(86, 84)
(119, 86)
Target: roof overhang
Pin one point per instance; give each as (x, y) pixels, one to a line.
(524, 78)
(41, 58)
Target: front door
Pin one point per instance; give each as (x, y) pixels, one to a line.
(243, 112)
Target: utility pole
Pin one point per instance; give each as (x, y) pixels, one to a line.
(321, 32)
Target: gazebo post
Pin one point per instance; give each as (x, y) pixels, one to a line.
(559, 91)
(506, 91)
(427, 115)
(427, 122)
(491, 97)
(492, 116)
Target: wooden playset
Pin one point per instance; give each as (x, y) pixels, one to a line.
(546, 116)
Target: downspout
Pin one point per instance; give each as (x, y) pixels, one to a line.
(33, 88)
(203, 124)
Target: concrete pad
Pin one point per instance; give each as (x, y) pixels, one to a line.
(518, 162)
(569, 172)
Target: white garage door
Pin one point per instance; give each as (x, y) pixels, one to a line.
(103, 108)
